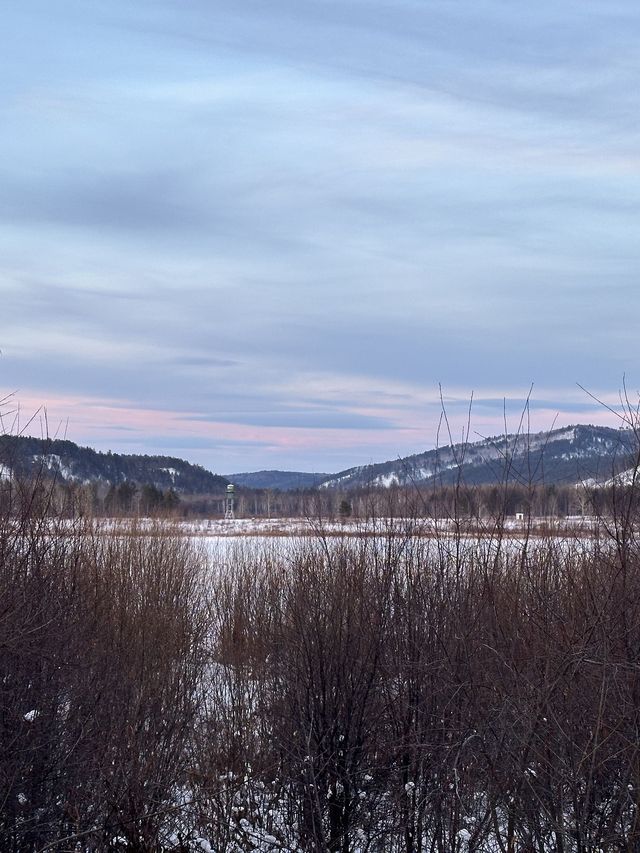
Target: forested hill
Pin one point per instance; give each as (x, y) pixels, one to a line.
(71, 463)
(573, 454)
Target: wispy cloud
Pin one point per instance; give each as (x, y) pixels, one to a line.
(277, 227)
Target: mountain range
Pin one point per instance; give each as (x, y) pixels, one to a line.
(580, 453)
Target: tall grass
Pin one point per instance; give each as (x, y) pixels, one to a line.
(430, 695)
(101, 657)
(369, 693)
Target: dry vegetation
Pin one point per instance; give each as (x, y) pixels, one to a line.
(387, 693)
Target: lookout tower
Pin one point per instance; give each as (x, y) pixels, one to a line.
(229, 501)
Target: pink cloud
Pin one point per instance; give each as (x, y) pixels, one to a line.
(100, 421)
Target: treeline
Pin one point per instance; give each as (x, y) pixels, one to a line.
(460, 501)
(72, 500)
(467, 503)
(145, 500)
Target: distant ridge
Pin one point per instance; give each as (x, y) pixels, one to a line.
(284, 481)
(69, 462)
(571, 454)
(593, 455)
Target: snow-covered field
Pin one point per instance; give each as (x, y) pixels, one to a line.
(418, 527)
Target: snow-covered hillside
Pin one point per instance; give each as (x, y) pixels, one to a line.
(568, 455)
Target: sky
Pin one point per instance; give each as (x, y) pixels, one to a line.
(287, 233)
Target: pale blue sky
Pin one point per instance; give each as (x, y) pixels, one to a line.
(259, 234)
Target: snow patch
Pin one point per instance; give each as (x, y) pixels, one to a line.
(54, 463)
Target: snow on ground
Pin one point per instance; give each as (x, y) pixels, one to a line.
(440, 528)
(264, 527)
